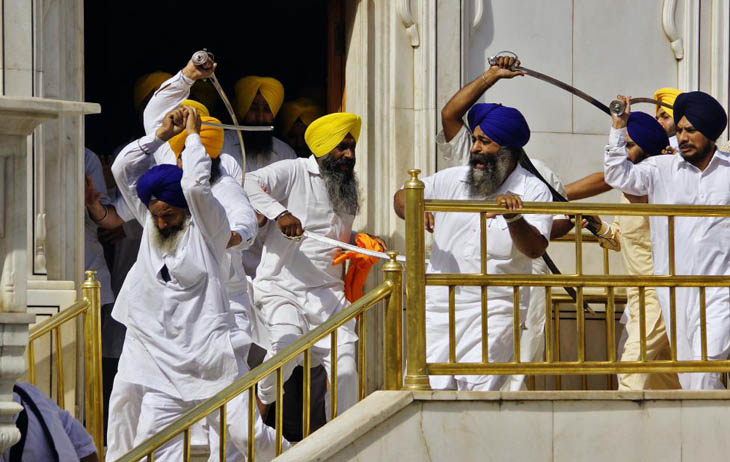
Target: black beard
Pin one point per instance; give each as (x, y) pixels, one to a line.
(342, 186)
(258, 143)
(485, 182)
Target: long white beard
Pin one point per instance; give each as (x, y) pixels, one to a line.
(167, 245)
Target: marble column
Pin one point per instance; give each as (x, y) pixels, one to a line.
(18, 118)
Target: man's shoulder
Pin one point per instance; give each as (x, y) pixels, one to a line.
(535, 189)
(282, 149)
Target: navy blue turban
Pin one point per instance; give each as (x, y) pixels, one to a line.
(502, 124)
(703, 111)
(647, 133)
(163, 183)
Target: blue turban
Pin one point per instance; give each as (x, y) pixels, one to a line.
(502, 124)
(647, 133)
(703, 111)
(163, 183)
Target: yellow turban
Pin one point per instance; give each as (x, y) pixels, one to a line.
(301, 108)
(202, 110)
(246, 88)
(212, 138)
(325, 133)
(146, 85)
(666, 95)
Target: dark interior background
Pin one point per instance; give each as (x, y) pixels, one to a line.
(124, 40)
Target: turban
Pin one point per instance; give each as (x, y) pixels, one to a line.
(211, 137)
(666, 95)
(202, 110)
(703, 111)
(302, 108)
(162, 182)
(146, 85)
(246, 88)
(502, 124)
(325, 133)
(647, 133)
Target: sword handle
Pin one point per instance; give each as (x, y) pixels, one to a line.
(617, 107)
(492, 60)
(201, 57)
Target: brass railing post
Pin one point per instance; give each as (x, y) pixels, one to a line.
(94, 404)
(416, 370)
(394, 324)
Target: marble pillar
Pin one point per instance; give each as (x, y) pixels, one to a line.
(19, 116)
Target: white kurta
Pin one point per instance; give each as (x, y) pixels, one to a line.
(456, 250)
(178, 332)
(532, 341)
(296, 286)
(702, 245)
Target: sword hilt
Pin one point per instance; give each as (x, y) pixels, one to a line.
(201, 57)
(492, 60)
(617, 107)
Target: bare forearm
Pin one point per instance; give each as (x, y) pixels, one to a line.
(560, 228)
(527, 238)
(453, 112)
(105, 216)
(592, 185)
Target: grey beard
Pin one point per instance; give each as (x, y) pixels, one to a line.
(484, 183)
(167, 244)
(258, 144)
(343, 188)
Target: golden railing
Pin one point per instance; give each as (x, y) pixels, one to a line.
(89, 307)
(389, 291)
(418, 369)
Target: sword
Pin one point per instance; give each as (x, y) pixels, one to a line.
(617, 107)
(243, 128)
(343, 245)
(201, 57)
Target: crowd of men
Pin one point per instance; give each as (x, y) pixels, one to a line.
(211, 272)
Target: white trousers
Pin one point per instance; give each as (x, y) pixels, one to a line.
(137, 412)
(282, 335)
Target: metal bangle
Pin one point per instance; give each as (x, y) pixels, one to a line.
(106, 213)
(514, 218)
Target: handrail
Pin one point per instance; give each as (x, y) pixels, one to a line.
(90, 307)
(390, 288)
(57, 320)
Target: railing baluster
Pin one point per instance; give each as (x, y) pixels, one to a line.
(485, 325)
(580, 325)
(186, 445)
(333, 373)
(60, 393)
(306, 392)
(279, 417)
(251, 442)
(611, 324)
(31, 363)
(548, 324)
(151, 457)
(393, 350)
(673, 322)
(703, 323)
(516, 328)
(556, 310)
(483, 242)
(452, 324)
(642, 324)
(579, 245)
(361, 359)
(222, 430)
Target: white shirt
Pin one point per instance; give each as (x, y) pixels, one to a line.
(93, 251)
(702, 245)
(178, 332)
(456, 247)
(291, 267)
(228, 191)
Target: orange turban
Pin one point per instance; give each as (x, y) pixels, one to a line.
(325, 133)
(360, 266)
(301, 108)
(212, 138)
(666, 95)
(246, 88)
(146, 85)
(200, 107)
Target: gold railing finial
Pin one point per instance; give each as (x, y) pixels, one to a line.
(414, 182)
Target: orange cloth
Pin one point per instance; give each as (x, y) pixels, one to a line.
(360, 266)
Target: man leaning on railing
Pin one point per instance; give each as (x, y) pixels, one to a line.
(493, 173)
(699, 176)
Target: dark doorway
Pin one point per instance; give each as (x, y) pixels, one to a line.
(284, 39)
